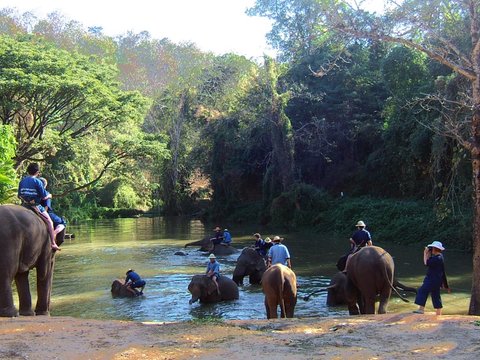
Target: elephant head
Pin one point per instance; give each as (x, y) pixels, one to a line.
(119, 289)
(202, 287)
(251, 264)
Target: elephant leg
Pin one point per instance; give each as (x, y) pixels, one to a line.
(271, 308)
(44, 288)
(384, 297)
(368, 305)
(290, 300)
(353, 309)
(24, 296)
(7, 309)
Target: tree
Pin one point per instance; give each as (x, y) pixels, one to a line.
(50, 94)
(448, 32)
(8, 177)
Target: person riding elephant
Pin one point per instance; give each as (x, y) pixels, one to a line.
(250, 263)
(25, 244)
(370, 272)
(206, 245)
(203, 289)
(279, 285)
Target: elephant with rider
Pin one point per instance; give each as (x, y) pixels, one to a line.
(203, 289)
(279, 285)
(370, 273)
(205, 244)
(25, 244)
(250, 263)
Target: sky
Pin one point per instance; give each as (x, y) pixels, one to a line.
(219, 26)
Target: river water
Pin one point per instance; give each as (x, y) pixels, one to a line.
(103, 250)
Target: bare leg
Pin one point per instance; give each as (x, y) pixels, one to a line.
(214, 278)
(51, 231)
(59, 229)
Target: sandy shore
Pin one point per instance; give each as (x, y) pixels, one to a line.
(390, 336)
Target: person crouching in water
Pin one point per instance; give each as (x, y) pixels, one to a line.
(32, 192)
(213, 270)
(434, 280)
(134, 281)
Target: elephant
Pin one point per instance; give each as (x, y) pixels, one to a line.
(206, 245)
(249, 263)
(203, 288)
(25, 244)
(370, 273)
(119, 289)
(279, 285)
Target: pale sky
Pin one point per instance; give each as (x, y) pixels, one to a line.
(220, 26)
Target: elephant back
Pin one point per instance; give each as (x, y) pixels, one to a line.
(229, 289)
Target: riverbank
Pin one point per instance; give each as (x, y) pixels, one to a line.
(389, 336)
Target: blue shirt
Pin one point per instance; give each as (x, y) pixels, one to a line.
(215, 267)
(435, 270)
(361, 237)
(227, 238)
(132, 275)
(279, 254)
(32, 189)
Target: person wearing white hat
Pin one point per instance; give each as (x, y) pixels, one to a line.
(361, 237)
(278, 253)
(434, 280)
(213, 270)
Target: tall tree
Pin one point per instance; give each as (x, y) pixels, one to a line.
(448, 32)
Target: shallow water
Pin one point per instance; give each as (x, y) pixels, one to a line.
(103, 250)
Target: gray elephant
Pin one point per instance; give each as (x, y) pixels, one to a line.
(250, 264)
(25, 245)
(119, 289)
(370, 273)
(203, 288)
(279, 285)
(219, 249)
(337, 289)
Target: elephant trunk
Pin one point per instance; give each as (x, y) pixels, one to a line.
(193, 300)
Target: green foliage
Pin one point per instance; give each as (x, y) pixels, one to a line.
(398, 221)
(303, 205)
(8, 178)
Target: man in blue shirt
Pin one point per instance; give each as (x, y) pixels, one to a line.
(134, 281)
(227, 238)
(360, 237)
(213, 270)
(278, 253)
(32, 192)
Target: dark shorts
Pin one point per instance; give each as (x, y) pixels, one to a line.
(138, 284)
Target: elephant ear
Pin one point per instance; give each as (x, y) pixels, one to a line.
(211, 288)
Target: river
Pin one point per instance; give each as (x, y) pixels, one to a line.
(103, 250)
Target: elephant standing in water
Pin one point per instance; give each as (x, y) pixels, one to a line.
(25, 244)
(203, 288)
(370, 272)
(219, 249)
(279, 285)
(251, 264)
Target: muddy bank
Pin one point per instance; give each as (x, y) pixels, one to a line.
(390, 336)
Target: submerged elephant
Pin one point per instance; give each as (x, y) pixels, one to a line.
(25, 244)
(279, 285)
(370, 274)
(203, 288)
(119, 289)
(250, 264)
(219, 250)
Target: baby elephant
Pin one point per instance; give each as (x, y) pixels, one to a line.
(279, 285)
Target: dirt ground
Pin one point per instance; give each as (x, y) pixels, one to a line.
(389, 336)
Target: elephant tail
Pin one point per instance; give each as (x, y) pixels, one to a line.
(391, 283)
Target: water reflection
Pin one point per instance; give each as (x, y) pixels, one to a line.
(103, 250)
